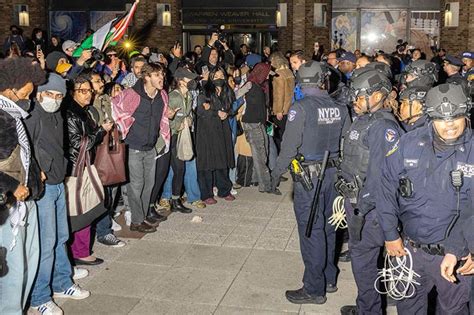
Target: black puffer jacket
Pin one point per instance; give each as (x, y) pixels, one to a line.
(79, 123)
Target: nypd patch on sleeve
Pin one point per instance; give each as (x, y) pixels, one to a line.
(292, 115)
(390, 135)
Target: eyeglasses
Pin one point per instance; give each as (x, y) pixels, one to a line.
(57, 97)
(84, 91)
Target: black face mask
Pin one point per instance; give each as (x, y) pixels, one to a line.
(24, 104)
(219, 82)
(192, 85)
(238, 80)
(15, 32)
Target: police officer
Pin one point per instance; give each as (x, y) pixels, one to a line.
(419, 73)
(314, 126)
(426, 183)
(452, 67)
(468, 68)
(412, 108)
(373, 132)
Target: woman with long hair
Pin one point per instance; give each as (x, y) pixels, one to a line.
(215, 152)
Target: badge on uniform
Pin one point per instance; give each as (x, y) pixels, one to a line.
(354, 135)
(390, 135)
(291, 115)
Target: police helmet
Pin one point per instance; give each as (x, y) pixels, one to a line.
(312, 72)
(385, 68)
(365, 81)
(415, 93)
(425, 73)
(447, 101)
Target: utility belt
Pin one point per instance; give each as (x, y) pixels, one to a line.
(314, 168)
(349, 190)
(304, 171)
(430, 249)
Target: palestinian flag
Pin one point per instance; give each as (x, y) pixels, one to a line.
(109, 34)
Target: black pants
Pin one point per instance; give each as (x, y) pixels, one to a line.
(161, 173)
(207, 179)
(178, 169)
(279, 131)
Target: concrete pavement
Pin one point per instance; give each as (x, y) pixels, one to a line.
(239, 260)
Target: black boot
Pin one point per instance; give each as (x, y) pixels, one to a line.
(177, 206)
(349, 310)
(300, 296)
(345, 256)
(152, 215)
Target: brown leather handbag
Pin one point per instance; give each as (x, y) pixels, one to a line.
(110, 159)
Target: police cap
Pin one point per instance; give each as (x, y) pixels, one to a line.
(447, 101)
(454, 61)
(312, 72)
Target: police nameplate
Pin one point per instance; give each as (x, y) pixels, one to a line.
(467, 169)
(410, 163)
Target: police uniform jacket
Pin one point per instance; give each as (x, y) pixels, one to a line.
(427, 213)
(366, 142)
(314, 125)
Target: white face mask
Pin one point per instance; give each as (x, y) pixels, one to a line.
(50, 105)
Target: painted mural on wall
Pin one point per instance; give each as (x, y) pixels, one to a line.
(344, 30)
(424, 30)
(69, 24)
(380, 30)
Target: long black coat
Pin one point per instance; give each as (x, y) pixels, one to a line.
(214, 149)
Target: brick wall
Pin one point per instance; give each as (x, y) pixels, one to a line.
(458, 39)
(161, 37)
(300, 32)
(37, 10)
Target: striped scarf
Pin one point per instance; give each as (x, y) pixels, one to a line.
(18, 210)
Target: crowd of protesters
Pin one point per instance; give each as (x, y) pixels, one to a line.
(197, 127)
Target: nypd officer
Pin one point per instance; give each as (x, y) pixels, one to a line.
(412, 108)
(314, 126)
(452, 67)
(419, 73)
(427, 182)
(373, 132)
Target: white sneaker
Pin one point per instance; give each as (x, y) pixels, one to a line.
(49, 308)
(233, 192)
(74, 292)
(128, 218)
(116, 226)
(79, 273)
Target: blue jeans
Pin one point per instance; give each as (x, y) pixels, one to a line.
(191, 185)
(103, 224)
(22, 262)
(54, 270)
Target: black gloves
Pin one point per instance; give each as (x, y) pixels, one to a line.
(355, 226)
